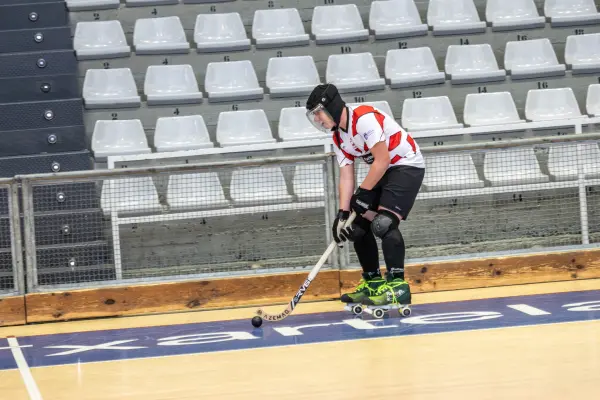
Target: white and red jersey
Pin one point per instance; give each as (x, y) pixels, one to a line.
(368, 126)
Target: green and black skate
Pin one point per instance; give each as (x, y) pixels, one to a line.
(393, 294)
(367, 286)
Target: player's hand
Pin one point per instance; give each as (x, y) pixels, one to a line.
(362, 200)
(338, 225)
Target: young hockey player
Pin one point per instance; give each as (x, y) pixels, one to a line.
(383, 199)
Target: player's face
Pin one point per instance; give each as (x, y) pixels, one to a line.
(324, 119)
(320, 118)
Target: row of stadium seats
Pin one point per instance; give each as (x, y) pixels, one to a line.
(401, 17)
(296, 76)
(125, 137)
(267, 185)
(248, 186)
(213, 33)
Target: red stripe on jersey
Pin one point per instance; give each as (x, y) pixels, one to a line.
(410, 140)
(336, 141)
(366, 147)
(362, 110)
(395, 159)
(395, 141)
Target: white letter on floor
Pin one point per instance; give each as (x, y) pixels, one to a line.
(450, 318)
(103, 346)
(357, 323)
(295, 330)
(202, 338)
(527, 309)
(584, 306)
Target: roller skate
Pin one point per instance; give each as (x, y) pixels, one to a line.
(394, 294)
(367, 286)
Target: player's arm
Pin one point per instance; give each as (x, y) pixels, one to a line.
(380, 165)
(346, 187)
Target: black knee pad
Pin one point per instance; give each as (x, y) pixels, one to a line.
(384, 223)
(360, 227)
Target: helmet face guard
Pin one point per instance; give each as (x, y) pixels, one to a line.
(318, 115)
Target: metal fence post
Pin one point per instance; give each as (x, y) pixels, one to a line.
(583, 207)
(16, 238)
(29, 233)
(329, 203)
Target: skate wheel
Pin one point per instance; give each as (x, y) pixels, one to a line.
(357, 309)
(406, 311)
(378, 313)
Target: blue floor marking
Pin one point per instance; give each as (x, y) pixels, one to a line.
(168, 340)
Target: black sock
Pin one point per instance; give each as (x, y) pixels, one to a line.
(393, 253)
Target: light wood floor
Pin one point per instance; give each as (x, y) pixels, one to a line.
(559, 361)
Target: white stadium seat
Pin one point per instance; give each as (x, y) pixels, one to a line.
(571, 12)
(429, 113)
(308, 182)
(513, 15)
(582, 53)
(412, 67)
(451, 17)
(195, 191)
(354, 72)
(380, 105)
(551, 104)
(234, 80)
(278, 28)
(100, 39)
(474, 63)
(262, 185)
(563, 161)
(236, 128)
(532, 59)
(159, 36)
(293, 125)
(338, 24)
(130, 195)
(110, 88)
(145, 3)
(515, 166)
(395, 18)
(490, 109)
(592, 102)
(220, 32)
(292, 76)
(171, 84)
(181, 133)
(85, 5)
(451, 172)
(119, 138)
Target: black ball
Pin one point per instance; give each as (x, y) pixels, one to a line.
(256, 322)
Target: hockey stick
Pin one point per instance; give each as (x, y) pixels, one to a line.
(313, 273)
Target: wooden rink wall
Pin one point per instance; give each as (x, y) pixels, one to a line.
(279, 288)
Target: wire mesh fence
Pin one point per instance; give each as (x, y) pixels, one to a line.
(237, 218)
(10, 249)
(492, 200)
(240, 217)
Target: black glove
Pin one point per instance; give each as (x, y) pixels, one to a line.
(363, 200)
(338, 225)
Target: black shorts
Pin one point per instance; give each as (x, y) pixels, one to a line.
(398, 189)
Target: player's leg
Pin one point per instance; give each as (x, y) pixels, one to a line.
(398, 197)
(367, 252)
